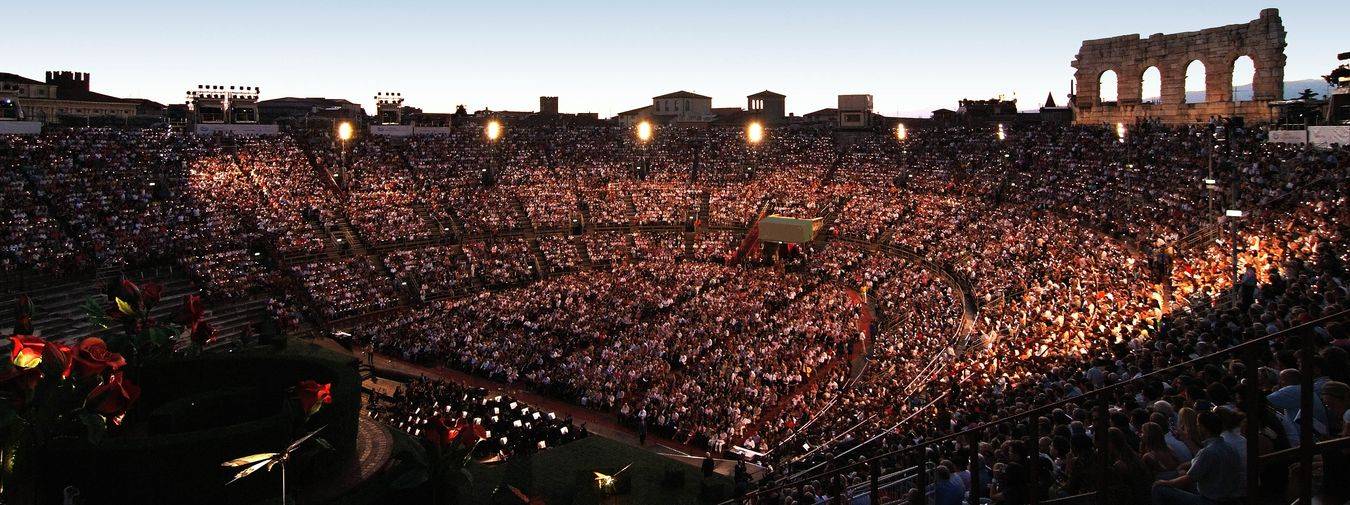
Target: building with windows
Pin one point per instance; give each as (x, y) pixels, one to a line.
(683, 106)
(855, 111)
(294, 108)
(632, 117)
(65, 94)
(768, 106)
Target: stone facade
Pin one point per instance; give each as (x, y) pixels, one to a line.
(1129, 57)
(63, 94)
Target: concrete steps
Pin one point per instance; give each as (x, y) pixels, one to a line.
(61, 310)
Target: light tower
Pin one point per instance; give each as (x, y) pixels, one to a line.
(644, 137)
(389, 107)
(344, 133)
(243, 104)
(493, 131)
(207, 103)
(754, 134)
(215, 103)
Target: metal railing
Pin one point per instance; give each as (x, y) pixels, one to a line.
(1250, 353)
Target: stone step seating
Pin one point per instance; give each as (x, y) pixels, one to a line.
(61, 313)
(582, 253)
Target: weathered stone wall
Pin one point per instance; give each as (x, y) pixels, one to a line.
(1129, 56)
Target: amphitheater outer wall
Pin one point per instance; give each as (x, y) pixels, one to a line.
(1129, 56)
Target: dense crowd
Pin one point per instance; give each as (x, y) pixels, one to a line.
(960, 277)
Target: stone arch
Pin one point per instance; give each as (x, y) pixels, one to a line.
(1195, 79)
(1243, 72)
(1108, 86)
(1150, 85)
(1216, 49)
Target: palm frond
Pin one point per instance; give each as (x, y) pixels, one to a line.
(249, 471)
(302, 440)
(248, 459)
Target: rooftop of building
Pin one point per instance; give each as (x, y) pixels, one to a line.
(16, 78)
(767, 94)
(681, 94)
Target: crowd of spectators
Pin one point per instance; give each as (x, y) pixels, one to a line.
(1001, 273)
(346, 287)
(228, 274)
(431, 271)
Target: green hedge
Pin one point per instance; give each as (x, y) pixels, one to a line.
(161, 457)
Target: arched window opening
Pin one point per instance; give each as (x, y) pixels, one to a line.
(1108, 87)
(1151, 89)
(1195, 82)
(1244, 74)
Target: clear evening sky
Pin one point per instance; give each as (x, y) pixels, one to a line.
(608, 57)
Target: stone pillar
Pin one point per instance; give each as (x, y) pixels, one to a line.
(1267, 35)
(1219, 79)
(1131, 79)
(1089, 88)
(1268, 82)
(1173, 81)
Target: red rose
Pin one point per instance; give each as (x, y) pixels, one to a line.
(113, 398)
(130, 291)
(150, 294)
(27, 351)
(203, 333)
(192, 312)
(93, 357)
(60, 357)
(23, 316)
(314, 396)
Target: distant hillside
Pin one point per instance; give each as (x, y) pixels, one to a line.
(1244, 92)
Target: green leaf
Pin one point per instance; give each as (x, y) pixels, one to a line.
(95, 426)
(159, 337)
(124, 307)
(95, 311)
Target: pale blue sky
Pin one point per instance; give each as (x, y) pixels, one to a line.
(608, 57)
